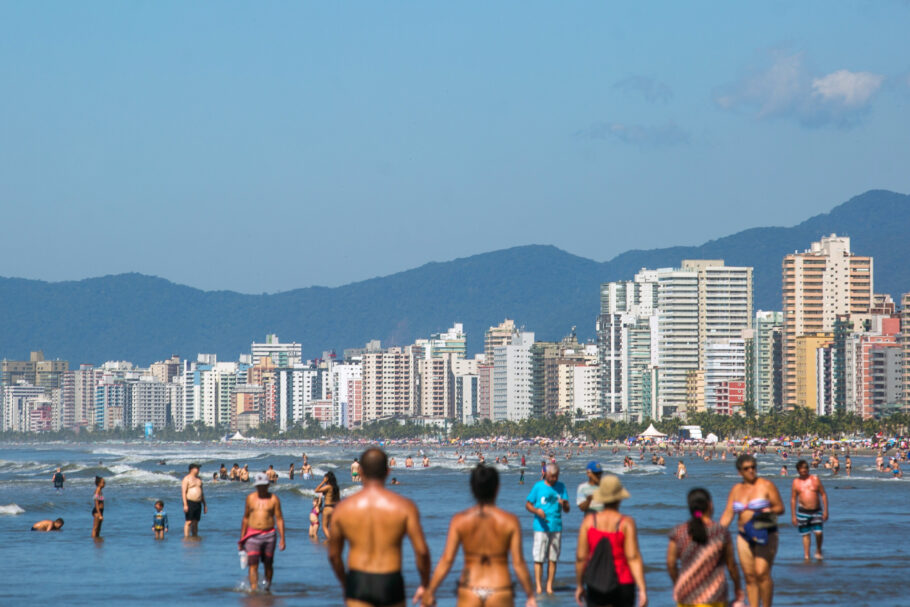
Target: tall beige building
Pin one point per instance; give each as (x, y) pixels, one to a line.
(389, 384)
(905, 345)
(818, 284)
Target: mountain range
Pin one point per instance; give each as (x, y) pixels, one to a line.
(143, 318)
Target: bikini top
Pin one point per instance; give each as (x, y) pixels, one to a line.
(756, 505)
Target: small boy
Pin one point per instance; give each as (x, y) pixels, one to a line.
(159, 521)
(314, 518)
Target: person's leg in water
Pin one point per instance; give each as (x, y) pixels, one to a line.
(807, 543)
(818, 546)
(538, 573)
(747, 563)
(551, 575)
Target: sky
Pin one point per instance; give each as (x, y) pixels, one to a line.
(262, 147)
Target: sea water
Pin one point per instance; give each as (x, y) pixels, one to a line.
(866, 547)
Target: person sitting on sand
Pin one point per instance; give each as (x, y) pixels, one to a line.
(48, 525)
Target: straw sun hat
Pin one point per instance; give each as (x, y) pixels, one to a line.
(610, 490)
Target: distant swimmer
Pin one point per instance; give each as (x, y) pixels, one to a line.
(426, 461)
(808, 507)
(159, 521)
(244, 474)
(355, 471)
(291, 472)
(97, 507)
(681, 472)
(307, 470)
(223, 473)
(261, 518)
(193, 501)
(848, 464)
(58, 479)
(408, 462)
(48, 525)
(314, 518)
(392, 462)
(374, 522)
(783, 470)
(271, 474)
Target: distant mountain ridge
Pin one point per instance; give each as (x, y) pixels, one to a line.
(547, 290)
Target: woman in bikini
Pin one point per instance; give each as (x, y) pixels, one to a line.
(97, 507)
(757, 504)
(488, 535)
(331, 495)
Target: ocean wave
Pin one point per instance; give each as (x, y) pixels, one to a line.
(11, 509)
(129, 475)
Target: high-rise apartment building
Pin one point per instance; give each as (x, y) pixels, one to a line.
(819, 284)
(766, 360)
(905, 349)
(511, 386)
(806, 367)
(147, 403)
(724, 367)
(282, 354)
(389, 384)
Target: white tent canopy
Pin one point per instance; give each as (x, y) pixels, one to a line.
(652, 432)
(711, 438)
(238, 436)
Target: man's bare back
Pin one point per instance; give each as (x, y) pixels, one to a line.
(374, 522)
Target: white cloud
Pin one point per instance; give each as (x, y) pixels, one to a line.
(852, 89)
(787, 89)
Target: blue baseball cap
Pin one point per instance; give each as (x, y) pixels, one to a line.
(594, 467)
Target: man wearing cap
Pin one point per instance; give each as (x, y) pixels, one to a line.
(261, 517)
(547, 501)
(587, 489)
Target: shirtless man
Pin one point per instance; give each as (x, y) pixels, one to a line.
(261, 517)
(374, 521)
(809, 507)
(271, 474)
(355, 471)
(681, 472)
(408, 462)
(193, 501)
(48, 525)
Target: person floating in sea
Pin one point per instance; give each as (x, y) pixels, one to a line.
(489, 535)
(355, 471)
(48, 525)
(808, 507)
(261, 517)
(783, 470)
(547, 501)
(756, 503)
(193, 501)
(394, 481)
(58, 480)
(374, 522)
(159, 521)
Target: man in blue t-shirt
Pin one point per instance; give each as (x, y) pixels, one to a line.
(547, 501)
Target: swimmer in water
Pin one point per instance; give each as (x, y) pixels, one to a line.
(681, 470)
(193, 501)
(48, 525)
(98, 509)
(314, 518)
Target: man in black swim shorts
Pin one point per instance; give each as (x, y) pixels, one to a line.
(193, 501)
(374, 522)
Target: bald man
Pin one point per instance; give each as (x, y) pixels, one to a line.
(374, 521)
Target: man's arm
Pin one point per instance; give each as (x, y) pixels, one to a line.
(245, 523)
(205, 507)
(535, 511)
(419, 542)
(183, 488)
(823, 495)
(279, 523)
(793, 498)
(336, 545)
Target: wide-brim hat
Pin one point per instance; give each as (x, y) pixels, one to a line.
(609, 490)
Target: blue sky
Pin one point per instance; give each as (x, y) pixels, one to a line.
(269, 146)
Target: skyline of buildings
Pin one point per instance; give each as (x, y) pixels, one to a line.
(669, 342)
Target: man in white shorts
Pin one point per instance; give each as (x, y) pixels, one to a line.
(547, 501)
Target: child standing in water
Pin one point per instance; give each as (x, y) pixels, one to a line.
(159, 521)
(314, 518)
